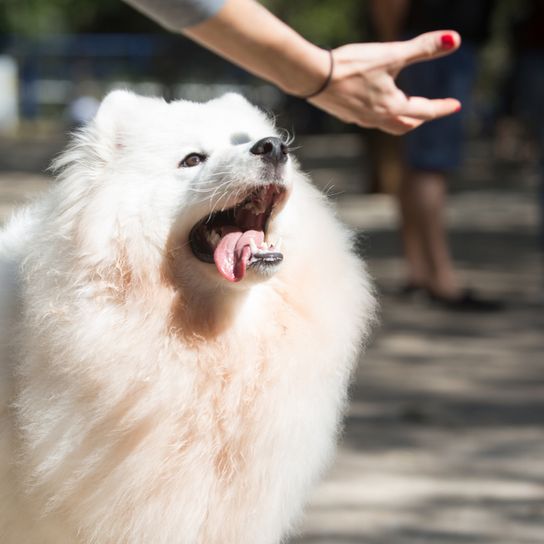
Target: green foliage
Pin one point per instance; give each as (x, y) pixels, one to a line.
(38, 17)
(325, 22)
(34, 17)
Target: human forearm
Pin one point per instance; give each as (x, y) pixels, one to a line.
(177, 14)
(247, 34)
(360, 89)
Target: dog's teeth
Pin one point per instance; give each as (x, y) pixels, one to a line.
(253, 246)
(264, 246)
(277, 245)
(214, 237)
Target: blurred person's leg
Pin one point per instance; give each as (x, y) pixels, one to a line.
(422, 204)
(431, 153)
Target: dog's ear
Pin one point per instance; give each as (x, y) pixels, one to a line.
(114, 116)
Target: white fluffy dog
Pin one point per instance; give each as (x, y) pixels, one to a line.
(179, 317)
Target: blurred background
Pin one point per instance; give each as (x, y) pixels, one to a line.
(444, 437)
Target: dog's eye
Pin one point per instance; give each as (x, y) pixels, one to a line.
(193, 159)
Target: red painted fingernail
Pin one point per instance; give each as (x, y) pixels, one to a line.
(448, 41)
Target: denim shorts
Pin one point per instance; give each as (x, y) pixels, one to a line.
(437, 145)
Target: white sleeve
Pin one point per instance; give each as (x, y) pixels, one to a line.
(177, 14)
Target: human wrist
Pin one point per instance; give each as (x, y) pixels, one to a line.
(304, 69)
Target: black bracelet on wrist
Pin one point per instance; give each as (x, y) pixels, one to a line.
(326, 82)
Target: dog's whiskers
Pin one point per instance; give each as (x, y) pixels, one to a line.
(287, 137)
(222, 190)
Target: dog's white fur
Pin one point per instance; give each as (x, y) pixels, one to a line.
(143, 398)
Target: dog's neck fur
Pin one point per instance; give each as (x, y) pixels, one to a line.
(207, 313)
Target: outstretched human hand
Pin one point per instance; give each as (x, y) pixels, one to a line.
(363, 90)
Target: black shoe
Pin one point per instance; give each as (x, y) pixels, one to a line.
(410, 290)
(467, 301)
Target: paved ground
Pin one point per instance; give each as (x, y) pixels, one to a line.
(444, 439)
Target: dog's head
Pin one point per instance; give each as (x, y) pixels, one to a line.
(204, 183)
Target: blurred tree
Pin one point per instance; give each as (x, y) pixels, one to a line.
(325, 22)
(38, 17)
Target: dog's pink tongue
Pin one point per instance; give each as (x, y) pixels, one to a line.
(233, 252)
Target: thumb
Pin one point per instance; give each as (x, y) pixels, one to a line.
(428, 46)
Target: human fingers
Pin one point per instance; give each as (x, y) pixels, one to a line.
(400, 125)
(392, 124)
(426, 109)
(390, 118)
(396, 125)
(427, 46)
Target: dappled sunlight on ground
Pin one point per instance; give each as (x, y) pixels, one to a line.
(444, 440)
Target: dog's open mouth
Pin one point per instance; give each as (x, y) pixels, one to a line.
(236, 238)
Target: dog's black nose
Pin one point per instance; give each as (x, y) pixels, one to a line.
(271, 149)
